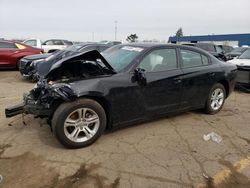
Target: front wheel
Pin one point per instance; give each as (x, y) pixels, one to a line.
(216, 99)
(79, 123)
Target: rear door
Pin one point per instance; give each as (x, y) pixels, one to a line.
(7, 52)
(198, 77)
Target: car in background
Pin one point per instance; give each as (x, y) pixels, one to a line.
(32, 67)
(110, 43)
(243, 65)
(226, 48)
(236, 52)
(55, 44)
(213, 49)
(84, 94)
(49, 46)
(33, 42)
(11, 52)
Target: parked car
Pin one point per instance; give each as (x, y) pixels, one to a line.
(215, 50)
(236, 52)
(11, 52)
(226, 48)
(243, 75)
(35, 66)
(55, 44)
(84, 94)
(110, 43)
(33, 42)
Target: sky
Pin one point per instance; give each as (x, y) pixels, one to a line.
(94, 20)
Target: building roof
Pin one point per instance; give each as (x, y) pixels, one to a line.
(244, 39)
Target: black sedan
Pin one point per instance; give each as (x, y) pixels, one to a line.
(84, 94)
(34, 66)
(213, 49)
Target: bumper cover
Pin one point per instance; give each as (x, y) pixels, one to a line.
(14, 110)
(28, 107)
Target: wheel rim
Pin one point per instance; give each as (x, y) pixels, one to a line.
(81, 125)
(217, 99)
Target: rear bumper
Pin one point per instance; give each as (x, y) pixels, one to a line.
(14, 110)
(243, 76)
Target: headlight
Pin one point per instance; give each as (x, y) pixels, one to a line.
(36, 61)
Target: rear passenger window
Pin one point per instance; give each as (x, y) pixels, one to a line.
(193, 59)
(7, 45)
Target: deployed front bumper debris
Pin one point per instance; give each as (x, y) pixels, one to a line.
(42, 100)
(14, 110)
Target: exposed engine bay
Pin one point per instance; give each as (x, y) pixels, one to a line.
(56, 87)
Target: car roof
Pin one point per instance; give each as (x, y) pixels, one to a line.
(156, 45)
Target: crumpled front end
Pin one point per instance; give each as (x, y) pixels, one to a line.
(43, 100)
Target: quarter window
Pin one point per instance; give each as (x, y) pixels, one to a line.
(159, 60)
(193, 59)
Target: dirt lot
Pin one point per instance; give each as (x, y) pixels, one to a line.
(169, 152)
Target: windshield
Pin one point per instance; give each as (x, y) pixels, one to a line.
(238, 50)
(245, 55)
(121, 56)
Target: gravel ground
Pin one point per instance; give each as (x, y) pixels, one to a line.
(169, 152)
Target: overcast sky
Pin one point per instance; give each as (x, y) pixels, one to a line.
(85, 20)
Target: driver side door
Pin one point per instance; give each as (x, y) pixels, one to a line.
(162, 92)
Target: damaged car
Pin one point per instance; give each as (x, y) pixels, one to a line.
(87, 93)
(32, 67)
(243, 77)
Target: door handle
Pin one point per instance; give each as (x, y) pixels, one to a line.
(211, 74)
(177, 80)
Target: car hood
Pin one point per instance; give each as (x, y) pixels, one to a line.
(240, 62)
(86, 54)
(234, 53)
(37, 56)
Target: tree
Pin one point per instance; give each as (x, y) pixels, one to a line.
(179, 32)
(132, 38)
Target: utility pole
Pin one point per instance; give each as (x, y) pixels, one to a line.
(116, 30)
(93, 36)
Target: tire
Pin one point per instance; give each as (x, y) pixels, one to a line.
(83, 133)
(215, 102)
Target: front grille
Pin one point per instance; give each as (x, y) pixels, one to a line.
(23, 66)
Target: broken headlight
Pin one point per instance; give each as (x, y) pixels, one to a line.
(62, 90)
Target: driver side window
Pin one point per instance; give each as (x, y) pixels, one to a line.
(159, 60)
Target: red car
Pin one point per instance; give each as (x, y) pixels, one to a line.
(11, 52)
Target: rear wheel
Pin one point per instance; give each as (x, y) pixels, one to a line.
(216, 99)
(78, 124)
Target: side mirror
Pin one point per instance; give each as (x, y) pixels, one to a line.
(140, 77)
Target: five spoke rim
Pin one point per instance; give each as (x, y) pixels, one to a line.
(217, 99)
(81, 125)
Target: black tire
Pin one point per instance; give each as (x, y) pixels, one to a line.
(208, 106)
(62, 113)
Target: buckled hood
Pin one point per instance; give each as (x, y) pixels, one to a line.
(91, 54)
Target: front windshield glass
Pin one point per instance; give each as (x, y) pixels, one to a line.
(245, 55)
(74, 47)
(238, 49)
(121, 56)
